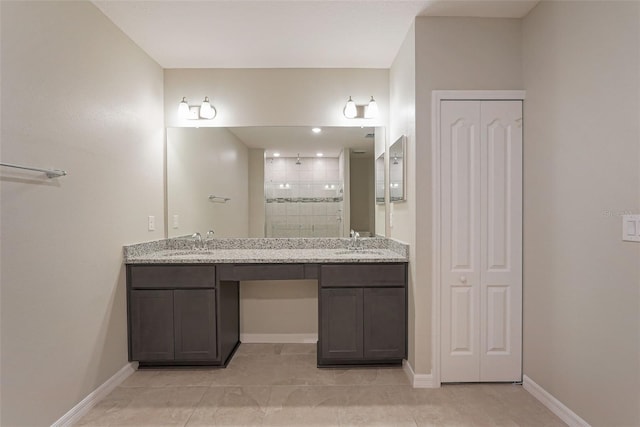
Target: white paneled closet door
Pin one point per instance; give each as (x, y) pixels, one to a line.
(481, 241)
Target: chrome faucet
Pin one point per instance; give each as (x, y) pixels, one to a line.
(208, 238)
(197, 241)
(355, 243)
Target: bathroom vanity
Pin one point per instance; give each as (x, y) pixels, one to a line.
(183, 304)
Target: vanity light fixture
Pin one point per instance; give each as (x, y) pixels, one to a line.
(350, 109)
(361, 111)
(371, 111)
(195, 112)
(183, 109)
(207, 111)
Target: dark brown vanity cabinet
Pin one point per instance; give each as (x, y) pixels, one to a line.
(363, 314)
(180, 315)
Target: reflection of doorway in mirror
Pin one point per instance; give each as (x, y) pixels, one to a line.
(304, 197)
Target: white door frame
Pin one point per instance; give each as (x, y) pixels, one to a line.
(436, 97)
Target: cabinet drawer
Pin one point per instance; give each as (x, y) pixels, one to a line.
(262, 272)
(172, 276)
(362, 275)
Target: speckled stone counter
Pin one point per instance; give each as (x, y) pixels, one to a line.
(266, 250)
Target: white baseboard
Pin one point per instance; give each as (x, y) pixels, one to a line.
(81, 409)
(418, 380)
(558, 408)
(279, 338)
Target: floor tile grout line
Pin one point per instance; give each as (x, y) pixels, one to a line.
(194, 409)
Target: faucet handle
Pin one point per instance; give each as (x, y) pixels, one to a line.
(209, 235)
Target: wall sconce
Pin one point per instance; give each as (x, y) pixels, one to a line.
(195, 112)
(363, 111)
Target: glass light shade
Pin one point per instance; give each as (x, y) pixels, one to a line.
(206, 110)
(371, 110)
(183, 109)
(350, 110)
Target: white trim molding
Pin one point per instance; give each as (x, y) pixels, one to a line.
(436, 97)
(85, 405)
(558, 408)
(279, 338)
(418, 380)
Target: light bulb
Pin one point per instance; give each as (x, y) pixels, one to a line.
(372, 109)
(350, 110)
(183, 108)
(206, 110)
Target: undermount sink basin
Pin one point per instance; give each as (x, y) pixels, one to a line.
(359, 252)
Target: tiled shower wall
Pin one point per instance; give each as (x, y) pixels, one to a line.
(303, 200)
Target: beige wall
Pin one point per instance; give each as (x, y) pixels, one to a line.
(277, 97)
(256, 193)
(78, 95)
(442, 53)
(203, 162)
(582, 169)
(380, 215)
(279, 311)
(362, 203)
(402, 88)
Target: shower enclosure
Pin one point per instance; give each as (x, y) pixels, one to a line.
(304, 197)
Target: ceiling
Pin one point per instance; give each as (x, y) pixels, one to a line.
(285, 33)
(291, 141)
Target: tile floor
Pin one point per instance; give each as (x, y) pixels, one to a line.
(279, 385)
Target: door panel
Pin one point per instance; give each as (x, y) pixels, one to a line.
(501, 234)
(481, 240)
(498, 325)
(384, 323)
(152, 325)
(195, 324)
(462, 313)
(460, 269)
(341, 334)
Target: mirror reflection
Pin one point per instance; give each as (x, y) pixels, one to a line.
(278, 181)
(380, 179)
(397, 178)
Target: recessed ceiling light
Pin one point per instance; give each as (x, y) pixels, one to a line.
(319, 154)
(276, 154)
(316, 130)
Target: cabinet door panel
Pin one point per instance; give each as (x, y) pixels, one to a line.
(384, 323)
(341, 324)
(152, 325)
(195, 324)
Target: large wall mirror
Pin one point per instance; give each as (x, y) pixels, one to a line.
(397, 170)
(273, 181)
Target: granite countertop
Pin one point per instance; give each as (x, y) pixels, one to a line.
(266, 250)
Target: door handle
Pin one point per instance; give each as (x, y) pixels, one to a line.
(463, 279)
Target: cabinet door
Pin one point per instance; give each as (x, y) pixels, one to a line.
(151, 325)
(195, 324)
(384, 323)
(341, 323)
